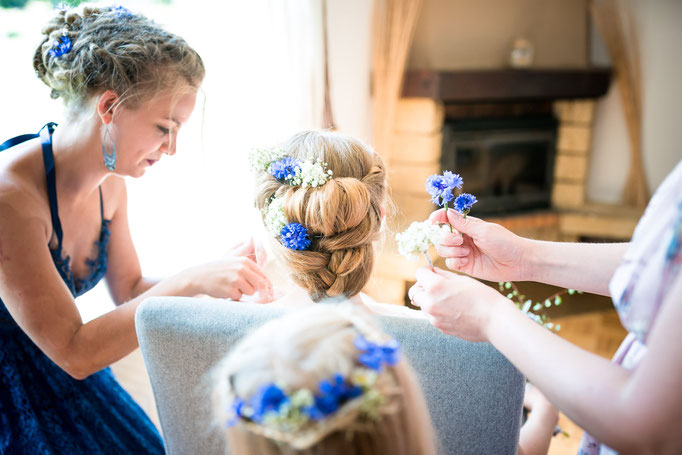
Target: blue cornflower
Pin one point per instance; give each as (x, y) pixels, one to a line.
(269, 398)
(295, 237)
(374, 355)
(61, 46)
(121, 11)
(333, 394)
(285, 168)
(441, 187)
(464, 202)
(236, 409)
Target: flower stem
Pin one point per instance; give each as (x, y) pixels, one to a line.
(446, 216)
(428, 259)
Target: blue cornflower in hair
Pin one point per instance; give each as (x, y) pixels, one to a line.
(121, 11)
(269, 398)
(61, 46)
(285, 168)
(375, 355)
(237, 407)
(294, 236)
(333, 394)
(464, 202)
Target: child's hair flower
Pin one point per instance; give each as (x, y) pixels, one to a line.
(294, 236)
(442, 187)
(464, 202)
(61, 46)
(375, 355)
(121, 11)
(286, 168)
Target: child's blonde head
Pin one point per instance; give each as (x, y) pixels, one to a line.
(343, 216)
(302, 349)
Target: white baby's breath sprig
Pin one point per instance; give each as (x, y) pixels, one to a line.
(274, 218)
(418, 238)
(312, 173)
(260, 159)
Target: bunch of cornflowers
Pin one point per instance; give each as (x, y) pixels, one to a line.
(442, 189)
(417, 239)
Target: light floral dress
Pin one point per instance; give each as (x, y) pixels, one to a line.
(640, 285)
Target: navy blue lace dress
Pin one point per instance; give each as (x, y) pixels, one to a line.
(43, 410)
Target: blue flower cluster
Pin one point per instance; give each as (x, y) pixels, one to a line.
(121, 11)
(442, 187)
(375, 356)
(295, 237)
(285, 168)
(332, 393)
(464, 202)
(61, 46)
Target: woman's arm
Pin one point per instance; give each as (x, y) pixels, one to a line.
(632, 412)
(491, 252)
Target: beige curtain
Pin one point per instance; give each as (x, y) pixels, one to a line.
(616, 23)
(394, 25)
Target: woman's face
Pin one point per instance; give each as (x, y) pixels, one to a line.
(144, 134)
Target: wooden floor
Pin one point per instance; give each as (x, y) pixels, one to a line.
(599, 332)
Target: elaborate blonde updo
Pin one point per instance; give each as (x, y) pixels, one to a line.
(300, 350)
(114, 49)
(343, 216)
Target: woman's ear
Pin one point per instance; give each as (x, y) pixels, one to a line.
(383, 213)
(107, 103)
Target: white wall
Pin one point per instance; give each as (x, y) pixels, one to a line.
(659, 25)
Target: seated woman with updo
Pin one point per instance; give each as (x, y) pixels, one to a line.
(322, 197)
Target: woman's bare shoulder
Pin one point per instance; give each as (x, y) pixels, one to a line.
(23, 194)
(388, 309)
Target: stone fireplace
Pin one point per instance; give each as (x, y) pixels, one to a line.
(520, 138)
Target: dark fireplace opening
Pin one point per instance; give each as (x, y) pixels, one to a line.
(506, 162)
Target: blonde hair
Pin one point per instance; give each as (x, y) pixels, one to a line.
(298, 351)
(343, 217)
(114, 50)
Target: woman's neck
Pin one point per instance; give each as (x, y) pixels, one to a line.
(76, 144)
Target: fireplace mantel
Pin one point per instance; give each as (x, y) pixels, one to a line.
(507, 85)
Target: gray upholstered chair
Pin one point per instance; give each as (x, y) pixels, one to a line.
(473, 393)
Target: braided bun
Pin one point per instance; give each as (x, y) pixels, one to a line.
(343, 216)
(110, 50)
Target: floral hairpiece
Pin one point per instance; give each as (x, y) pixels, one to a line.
(60, 46)
(418, 238)
(274, 408)
(291, 170)
(292, 235)
(121, 11)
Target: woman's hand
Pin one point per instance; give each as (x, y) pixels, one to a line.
(236, 275)
(456, 305)
(484, 250)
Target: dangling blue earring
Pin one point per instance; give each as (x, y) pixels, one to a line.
(109, 158)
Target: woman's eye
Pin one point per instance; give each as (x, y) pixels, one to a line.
(163, 130)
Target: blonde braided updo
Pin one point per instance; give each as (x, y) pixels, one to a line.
(343, 216)
(123, 52)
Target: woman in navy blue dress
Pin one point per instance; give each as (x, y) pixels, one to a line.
(128, 87)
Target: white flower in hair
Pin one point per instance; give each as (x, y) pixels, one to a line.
(260, 159)
(418, 238)
(274, 218)
(312, 174)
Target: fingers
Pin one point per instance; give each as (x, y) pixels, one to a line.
(245, 249)
(453, 251)
(456, 263)
(470, 225)
(438, 216)
(427, 278)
